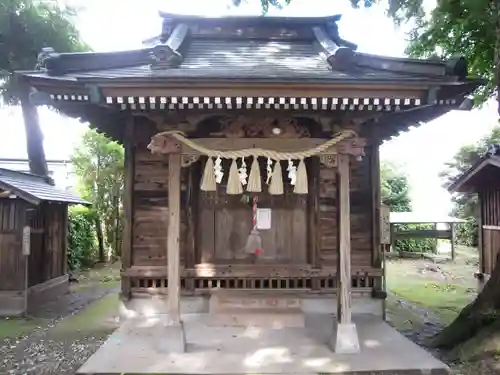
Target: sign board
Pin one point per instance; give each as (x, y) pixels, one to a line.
(26, 240)
(263, 218)
(385, 225)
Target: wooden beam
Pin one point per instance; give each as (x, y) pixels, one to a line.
(173, 241)
(491, 227)
(167, 144)
(444, 234)
(128, 202)
(344, 295)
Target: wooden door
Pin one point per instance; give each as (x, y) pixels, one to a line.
(12, 266)
(225, 222)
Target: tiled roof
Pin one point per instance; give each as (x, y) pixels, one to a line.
(250, 47)
(266, 59)
(35, 188)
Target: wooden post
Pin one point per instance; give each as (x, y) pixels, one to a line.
(172, 338)
(128, 196)
(480, 243)
(452, 240)
(173, 243)
(375, 186)
(346, 340)
(344, 295)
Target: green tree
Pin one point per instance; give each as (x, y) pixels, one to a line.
(395, 189)
(81, 238)
(395, 193)
(99, 166)
(27, 26)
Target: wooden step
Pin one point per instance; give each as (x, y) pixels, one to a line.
(270, 310)
(220, 301)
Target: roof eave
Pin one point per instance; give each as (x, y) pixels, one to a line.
(109, 81)
(459, 185)
(20, 193)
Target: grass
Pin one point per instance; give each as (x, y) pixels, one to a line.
(98, 319)
(13, 328)
(443, 291)
(103, 274)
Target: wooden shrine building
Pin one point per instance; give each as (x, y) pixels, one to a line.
(483, 179)
(33, 240)
(252, 157)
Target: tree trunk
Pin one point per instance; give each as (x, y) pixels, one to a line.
(497, 55)
(34, 135)
(116, 223)
(100, 239)
(481, 312)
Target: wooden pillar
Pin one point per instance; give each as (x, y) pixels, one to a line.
(65, 238)
(314, 235)
(173, 241)
(344, 295)
(452, 240)
(374, 161)
(128, 211)
(346, 340)
(172, 337)
(480, 244)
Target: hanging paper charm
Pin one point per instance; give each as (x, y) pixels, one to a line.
(269, 170)
(218, 170)
(292, 172)
(242, 171)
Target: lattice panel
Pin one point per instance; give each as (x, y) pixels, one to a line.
(358, 281)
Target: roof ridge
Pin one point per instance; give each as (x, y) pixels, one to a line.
(7, 171)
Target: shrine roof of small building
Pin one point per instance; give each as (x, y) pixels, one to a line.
(257, 48)
(484, 174)
(35, 189)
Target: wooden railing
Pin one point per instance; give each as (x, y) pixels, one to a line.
(361, 282)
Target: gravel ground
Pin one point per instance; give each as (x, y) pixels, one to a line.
(38, 353)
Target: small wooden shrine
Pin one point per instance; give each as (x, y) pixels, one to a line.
(252, 156)
(33, 240)
(483, 179)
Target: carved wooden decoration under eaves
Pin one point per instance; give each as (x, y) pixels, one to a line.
(187, 160)
(251, 127)
(329, 161)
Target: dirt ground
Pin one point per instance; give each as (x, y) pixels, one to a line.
(423, 296)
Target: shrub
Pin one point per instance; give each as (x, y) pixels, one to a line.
(467, 233)
(418, 245)
(82, 240)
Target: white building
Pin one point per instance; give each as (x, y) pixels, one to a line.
(60, 170)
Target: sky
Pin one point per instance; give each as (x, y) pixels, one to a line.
(111, 25)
